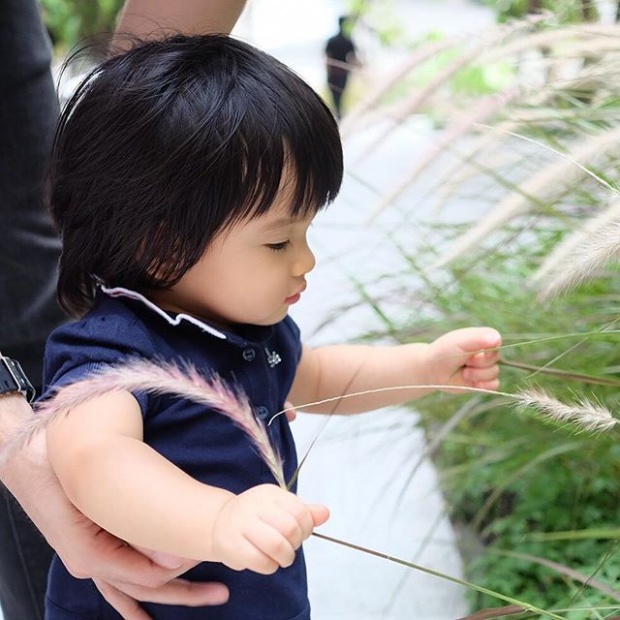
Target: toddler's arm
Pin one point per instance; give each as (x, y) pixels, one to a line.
(126, 487)
(464, 357)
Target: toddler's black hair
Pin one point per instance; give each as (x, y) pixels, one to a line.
(166, 145)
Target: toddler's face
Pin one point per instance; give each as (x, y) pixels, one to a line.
(250, 273)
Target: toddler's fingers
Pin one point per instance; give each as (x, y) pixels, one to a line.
(290, 526)
(487, 385)
(273, 544)
(490, 338)
(476, 375)
(319, 513)
(482, 359)
(250, 554)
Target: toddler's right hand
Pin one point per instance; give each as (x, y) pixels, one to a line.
(262, 528)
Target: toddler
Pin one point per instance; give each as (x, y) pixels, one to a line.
(184, 177)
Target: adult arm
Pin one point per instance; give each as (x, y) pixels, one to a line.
(149, 18)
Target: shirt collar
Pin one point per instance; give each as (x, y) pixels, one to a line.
(119, 291)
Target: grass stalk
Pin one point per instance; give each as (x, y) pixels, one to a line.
(429, 571)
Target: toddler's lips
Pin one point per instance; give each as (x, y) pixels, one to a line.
(293, 299)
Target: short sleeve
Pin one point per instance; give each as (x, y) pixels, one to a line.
(81, 349)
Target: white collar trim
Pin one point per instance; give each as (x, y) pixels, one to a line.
(119, 291)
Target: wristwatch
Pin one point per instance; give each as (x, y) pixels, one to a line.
(14, 379)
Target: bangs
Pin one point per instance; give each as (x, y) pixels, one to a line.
(313, 178)
(271, 137)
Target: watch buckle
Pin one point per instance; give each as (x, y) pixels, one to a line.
(22, 383)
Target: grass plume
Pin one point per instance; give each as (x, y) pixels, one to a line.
(161, 378)
(541, 188)
(581, 255)
(462, 126)
(585, 415)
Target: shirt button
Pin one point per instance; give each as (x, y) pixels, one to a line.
(262, 412)
(249, 354)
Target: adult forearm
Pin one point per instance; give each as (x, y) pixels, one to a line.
(26, 473)
(14, 413)
(149, 18)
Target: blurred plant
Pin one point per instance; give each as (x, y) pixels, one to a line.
(564, 10)
(537, 509)
(379, 18)
(71, 21)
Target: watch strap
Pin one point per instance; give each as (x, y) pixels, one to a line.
(14, 379)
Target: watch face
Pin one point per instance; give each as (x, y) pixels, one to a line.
(14, 379)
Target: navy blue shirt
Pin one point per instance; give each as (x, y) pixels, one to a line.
(204, 443)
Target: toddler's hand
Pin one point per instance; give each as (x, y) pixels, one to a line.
(466, 357)
(262, 528)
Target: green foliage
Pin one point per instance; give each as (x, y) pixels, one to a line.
(71, 21)
(379, 17)
(567, 11)
(482, 80)
(509, 9)
(472, 80)
(509, 477)
(536, 504)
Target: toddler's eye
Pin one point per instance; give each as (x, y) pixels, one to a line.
(277, 247)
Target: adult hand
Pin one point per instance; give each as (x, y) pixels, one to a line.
(123, 575)
(164, 587)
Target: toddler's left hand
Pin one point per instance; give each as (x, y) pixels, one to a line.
(466, 357)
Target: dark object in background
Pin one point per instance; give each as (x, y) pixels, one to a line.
(340, 55)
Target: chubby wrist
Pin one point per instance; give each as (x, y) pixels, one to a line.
(423, 357)
(221, 502)
(198, 540)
